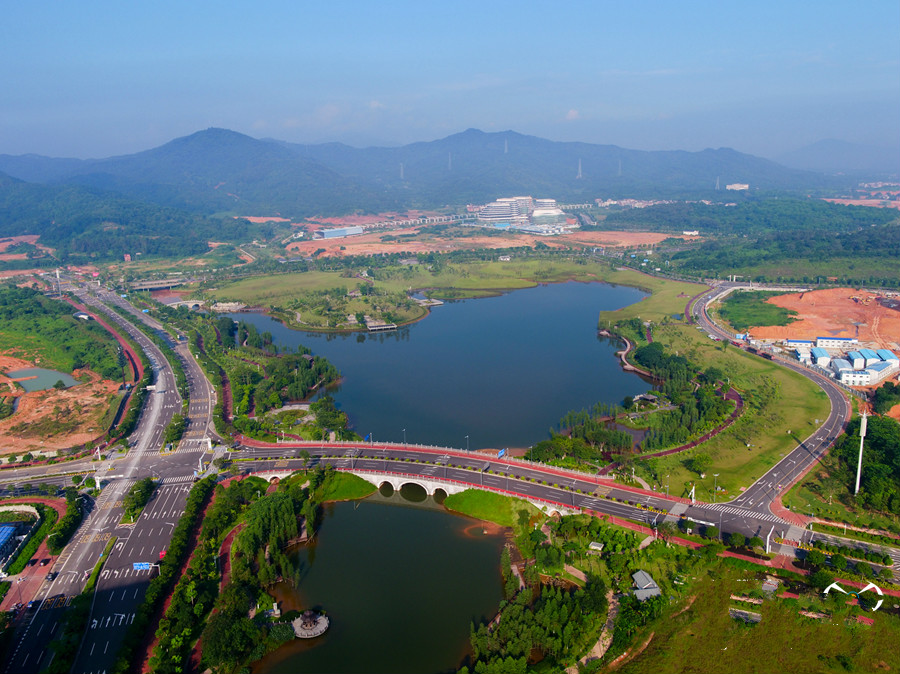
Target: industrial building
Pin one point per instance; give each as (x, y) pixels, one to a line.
(860, 368)
(835, 342)
(535, 216)
(338, 232)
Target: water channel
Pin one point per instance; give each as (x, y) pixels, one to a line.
(400, 586)
(501, 370)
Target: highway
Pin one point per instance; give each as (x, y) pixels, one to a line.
(120, 589)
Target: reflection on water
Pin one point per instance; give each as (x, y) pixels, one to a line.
(400, 586)
(493, 372)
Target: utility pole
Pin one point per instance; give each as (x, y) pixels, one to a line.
(862, 437)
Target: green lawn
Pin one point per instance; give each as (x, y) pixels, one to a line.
(744, 310)
(488, 506)
(798, 402)
(345, 487)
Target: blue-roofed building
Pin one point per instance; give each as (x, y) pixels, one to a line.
(820, 356)
(839, 364)
(888, 356)
(857, 359)
(7, 540)
(875, 373)
(835, 342)
(870, 356)
(804, 343)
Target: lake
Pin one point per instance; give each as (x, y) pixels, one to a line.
(400, 586)
(40, 379)
(501, 370)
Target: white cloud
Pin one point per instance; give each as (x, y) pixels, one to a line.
(572, 115)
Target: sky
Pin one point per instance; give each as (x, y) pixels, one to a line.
(99, 78)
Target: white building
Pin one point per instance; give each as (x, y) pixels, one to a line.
(835, 342)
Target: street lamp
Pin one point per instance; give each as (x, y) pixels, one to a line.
(715, 486)
(467, 443)
(667, 486)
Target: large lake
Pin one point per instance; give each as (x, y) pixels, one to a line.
(401, 586)
(501, 370)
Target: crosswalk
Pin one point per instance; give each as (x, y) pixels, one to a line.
(731, 510)
(182, 479)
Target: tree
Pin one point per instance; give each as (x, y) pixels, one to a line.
(756, 542)
(304, 454)
(700, 463)
(737, 539)
(628, 402)
(839, 562)
(666, 530)
(59, 385)
(711, 532)
(820, 579)
(816, 558)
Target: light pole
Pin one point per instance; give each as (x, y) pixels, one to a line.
(667, 486)
(404, 436)
(715, 486)
(467, 443)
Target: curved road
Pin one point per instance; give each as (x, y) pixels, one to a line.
(759, 496)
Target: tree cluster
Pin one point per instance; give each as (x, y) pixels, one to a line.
(880, 480)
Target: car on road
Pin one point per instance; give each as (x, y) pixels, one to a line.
(52, 575)
(44, 562)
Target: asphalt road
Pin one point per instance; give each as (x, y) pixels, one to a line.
(760, 494)
(120, 589)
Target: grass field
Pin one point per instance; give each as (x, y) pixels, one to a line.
(345, 487)
(795, 403)
(463, 280)
(823, 496)
(745, 310)
(488, 506)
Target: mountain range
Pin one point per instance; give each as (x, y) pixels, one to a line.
(221, 171)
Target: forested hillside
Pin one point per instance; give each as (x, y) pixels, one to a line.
(84, 224)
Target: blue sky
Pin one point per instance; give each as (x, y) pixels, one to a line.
(103, 78)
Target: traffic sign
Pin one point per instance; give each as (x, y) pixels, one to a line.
(141, 566)
(501, 453)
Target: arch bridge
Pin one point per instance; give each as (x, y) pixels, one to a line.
(430, 484)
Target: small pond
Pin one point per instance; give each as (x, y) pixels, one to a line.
(40, 379)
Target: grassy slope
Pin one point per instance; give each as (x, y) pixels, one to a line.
(488, 506)
(345, 487)
(484, 276)
(705, 636)
(800, 403)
